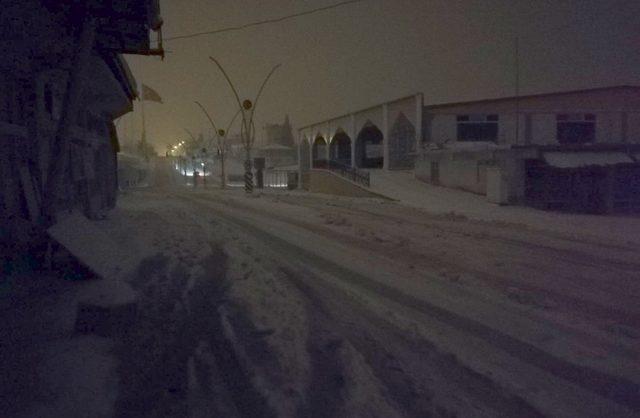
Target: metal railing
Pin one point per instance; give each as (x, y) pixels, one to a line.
(276, 179)
(357, 176)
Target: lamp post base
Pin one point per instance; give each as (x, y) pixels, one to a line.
(248, 177)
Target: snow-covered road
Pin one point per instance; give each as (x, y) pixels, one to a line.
(347, 307)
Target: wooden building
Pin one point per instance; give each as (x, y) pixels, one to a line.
(63, 83)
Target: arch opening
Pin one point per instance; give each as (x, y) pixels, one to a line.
(319, 152)
(369, 147)
(402, 143)
(340, 148)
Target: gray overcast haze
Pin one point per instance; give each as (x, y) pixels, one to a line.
(366, 53)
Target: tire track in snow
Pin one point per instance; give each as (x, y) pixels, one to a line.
(420, 379)
(617, 389)
(586, 305)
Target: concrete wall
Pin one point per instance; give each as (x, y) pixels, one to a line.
(456, 170)
(442, 128)
(467, 170)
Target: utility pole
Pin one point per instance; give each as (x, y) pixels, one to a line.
(222, 152)
(204, 167)
(517, 65)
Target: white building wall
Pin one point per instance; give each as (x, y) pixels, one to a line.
(507, 128)
(617, 112)
(609, 127)
(608, 106)
(543, 129)
(443, 128)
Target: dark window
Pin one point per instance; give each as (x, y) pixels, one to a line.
(576, 129)
(477, 127)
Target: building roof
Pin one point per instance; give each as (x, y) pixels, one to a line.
(344, 115)
(531, 96)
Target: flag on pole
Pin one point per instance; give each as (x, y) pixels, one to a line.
(150, 94)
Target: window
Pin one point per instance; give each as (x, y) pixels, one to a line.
(576, 128)
(477, 127)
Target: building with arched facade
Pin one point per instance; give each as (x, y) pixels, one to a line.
(570, 150)
(386, 136)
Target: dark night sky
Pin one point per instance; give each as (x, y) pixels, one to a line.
(366, 53)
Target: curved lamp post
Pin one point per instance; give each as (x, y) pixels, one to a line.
(221, 140)
(247, 109)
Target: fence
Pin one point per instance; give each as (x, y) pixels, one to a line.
(355, 175)
(280, 179)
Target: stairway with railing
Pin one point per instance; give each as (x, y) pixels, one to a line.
(351, 173)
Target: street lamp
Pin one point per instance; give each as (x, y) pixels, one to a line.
(247, 131)
(221, 139)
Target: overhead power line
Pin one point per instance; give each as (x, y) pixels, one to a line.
(264, 22)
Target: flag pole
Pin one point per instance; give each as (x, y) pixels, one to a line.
(517, 86)
(143, 138)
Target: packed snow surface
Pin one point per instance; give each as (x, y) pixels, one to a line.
(439, 304)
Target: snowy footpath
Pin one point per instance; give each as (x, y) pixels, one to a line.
(292, 304)
(409, 191)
